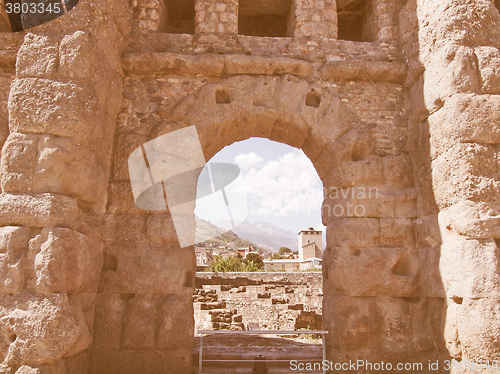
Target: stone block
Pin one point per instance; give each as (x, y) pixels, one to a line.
(160, 228)
(391, 324)
(385, 324)
(121, 200)
(447, 20)
(240, 64)
(450, 332)
(19, 157)
(373, 201)
(356, 144)
(397, 232)
(13, 247)
(150, 268)
(178, 361)
(465, 172)
(345, 149)
(125, 144)
(398, 171)
(350, 325)
(451, 69)
(38, 57)
(472, 220)
(379, 271)
(165, 62)
(77, 364)
(469, 268)
(489, 68)
(124, 227)
(379, 71)
(479, 328)
(109, 312)
(369, 171)
(78, 58)
(430, 313)
(67, 167)
(42, 329)
(139, 328)
(56, 368)
(176, 323)
(65, 261)
(129, 361)
(465, 118)
(65, 109)
(353, 233)
(38, 210)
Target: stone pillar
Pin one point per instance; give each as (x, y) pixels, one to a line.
(216, 16)
(384, 14)
(54, 174)
(150, 15)
(314, 18)
(455, 122)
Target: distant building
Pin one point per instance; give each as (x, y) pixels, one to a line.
(310, 254)
(203, 258)
(310, 244)
(244, 251)
(292, 264)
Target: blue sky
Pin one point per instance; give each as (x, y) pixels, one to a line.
(280, 182)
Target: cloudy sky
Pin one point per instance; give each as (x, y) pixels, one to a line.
(279, 181)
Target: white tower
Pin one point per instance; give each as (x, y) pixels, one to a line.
(310, 244)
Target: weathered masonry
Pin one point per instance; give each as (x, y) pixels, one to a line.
(402, 96)
(259, 300)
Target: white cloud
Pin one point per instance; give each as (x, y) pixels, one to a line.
(248, 160)
(288, 186)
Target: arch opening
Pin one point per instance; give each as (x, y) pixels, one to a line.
(368, 208)
(242, 248)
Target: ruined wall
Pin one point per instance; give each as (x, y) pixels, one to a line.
(412, 275)
(264, 301)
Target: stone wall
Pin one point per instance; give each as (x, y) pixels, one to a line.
(9, 45)
(412, 274)
(219, 17)
(54, 174)
(315, 18)
(265, 301)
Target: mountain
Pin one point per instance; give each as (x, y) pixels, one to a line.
(208, 233)
(266, 235)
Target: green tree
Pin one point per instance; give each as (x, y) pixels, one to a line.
(251, 266)
(226, 264)
(285, 250)
(276, 256)
(255, 258)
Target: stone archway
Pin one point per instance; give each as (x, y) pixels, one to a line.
(372, 292)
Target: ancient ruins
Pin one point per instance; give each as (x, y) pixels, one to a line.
(398, 95)
(264, 301)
